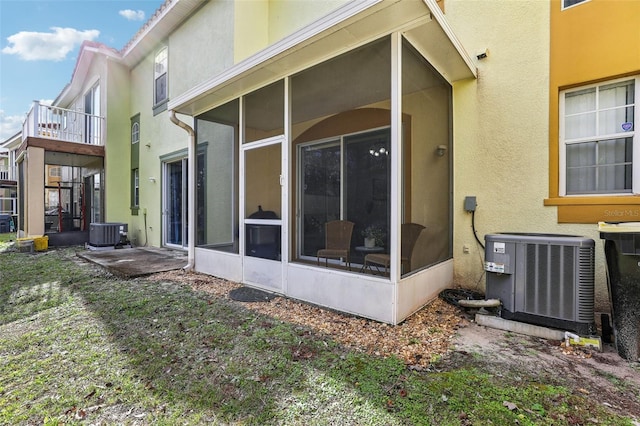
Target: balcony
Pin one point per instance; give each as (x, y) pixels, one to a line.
(5, 173)
(54, 123)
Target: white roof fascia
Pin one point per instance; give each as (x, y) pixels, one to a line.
(85, 58)
(192, 102)
(440, 18)
(103, 50)
(82, 65)
(324, 24)
(169, 15)
(12, 142)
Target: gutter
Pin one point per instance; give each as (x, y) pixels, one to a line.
(191, 189)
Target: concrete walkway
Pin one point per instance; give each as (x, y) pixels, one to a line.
(135, 262)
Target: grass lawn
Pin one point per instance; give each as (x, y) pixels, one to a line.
(6, 238)
(80, 346)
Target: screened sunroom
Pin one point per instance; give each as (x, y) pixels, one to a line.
(330, 181)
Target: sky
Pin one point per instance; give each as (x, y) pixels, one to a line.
(39, 44)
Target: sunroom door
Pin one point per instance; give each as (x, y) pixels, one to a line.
(262, 196)
(174, 200)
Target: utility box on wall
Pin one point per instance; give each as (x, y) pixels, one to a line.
(543, 279)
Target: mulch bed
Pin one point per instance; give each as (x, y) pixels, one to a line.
(419, 340)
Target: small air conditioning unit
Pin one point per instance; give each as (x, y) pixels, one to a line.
(106, 234)
(543, 279)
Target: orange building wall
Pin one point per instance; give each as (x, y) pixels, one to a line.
(593, 41)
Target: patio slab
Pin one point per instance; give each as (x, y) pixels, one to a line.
(138, 261)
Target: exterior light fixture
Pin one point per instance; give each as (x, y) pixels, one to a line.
(377, 152)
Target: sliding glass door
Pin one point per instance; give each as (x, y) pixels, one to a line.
(345, 178)
(175, 203)
(321, 192)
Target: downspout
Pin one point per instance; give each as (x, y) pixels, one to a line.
(191, 189)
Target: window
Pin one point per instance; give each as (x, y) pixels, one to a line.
(55, 171)
(135, 164)
(136, 188)
(569, 3)
(135, 133)
(92, 130)
(597, 135)
(160, 77)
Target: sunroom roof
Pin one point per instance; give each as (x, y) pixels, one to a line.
(352, 25)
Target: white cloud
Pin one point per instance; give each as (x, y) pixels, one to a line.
(53, 46)
(12, 124)
(9, 125)
(132, 15)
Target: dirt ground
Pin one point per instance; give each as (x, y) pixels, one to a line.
(604, 375)
(441, 336)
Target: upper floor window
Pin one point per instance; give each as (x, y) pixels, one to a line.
(569, 3)
(160, 76)
(55, 171)
(92, 121)
(597, 137)
(135, 133)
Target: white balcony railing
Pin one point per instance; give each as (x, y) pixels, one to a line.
(51, 122)
(4, 173)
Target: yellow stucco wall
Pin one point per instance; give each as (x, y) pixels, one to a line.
(203, 47)
(251, 28)
(500, 127)
(260, 23)
(158, 137)
(145, 230)
(505, 122)
(257, 24)
(207, 33)
(115, 94)
(287, 16)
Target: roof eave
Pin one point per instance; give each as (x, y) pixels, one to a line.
(167, 18)
(88, 52)
(351, 25)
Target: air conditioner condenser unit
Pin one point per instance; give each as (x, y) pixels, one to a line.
(543, 279)
(106, 234)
